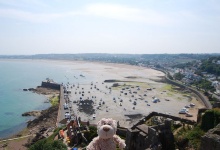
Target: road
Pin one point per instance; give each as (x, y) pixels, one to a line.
(62, 111)
(199, 94)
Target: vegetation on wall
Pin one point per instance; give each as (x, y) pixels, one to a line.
(188, 137)
(55, 100)
(49, 143)
(210, 119)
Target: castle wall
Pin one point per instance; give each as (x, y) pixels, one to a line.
(50, 85)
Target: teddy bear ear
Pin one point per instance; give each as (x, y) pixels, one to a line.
(115, 123)
(101, 121)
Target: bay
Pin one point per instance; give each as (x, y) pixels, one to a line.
(15, 75)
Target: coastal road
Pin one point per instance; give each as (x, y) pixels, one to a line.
(203, 98)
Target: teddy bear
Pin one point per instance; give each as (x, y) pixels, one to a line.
(107, 138)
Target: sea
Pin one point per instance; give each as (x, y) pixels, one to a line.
(16, 75)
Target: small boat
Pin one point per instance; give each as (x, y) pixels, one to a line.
(191, 104)
(81, 75)
(93, 116)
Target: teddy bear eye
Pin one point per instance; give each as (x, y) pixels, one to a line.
(109, 123)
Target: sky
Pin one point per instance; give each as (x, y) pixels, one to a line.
(30, 27)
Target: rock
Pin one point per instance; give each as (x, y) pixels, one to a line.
(4, 145)
(32, 113)
(211, 140)
(32, 89)
(50, 114)
(25, 89)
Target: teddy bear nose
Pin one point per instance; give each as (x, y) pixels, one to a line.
(106, 129)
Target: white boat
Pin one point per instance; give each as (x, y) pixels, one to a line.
(191, 104)
(155, 100)
(93, 116)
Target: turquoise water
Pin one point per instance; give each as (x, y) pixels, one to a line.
(20, 74)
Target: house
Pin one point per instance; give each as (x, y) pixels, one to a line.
(216, 84)
(74, 131)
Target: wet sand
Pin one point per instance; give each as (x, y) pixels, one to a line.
(136, 82)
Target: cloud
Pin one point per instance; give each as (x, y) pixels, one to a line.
(125, 13)
(34, 17)
(114, 12)
(28, 16)
(109, 11)
(23, 3)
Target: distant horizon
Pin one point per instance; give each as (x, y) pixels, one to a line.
(107, 53)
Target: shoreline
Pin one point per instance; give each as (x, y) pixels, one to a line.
(27, 135)
(48, 93)
(122, 72)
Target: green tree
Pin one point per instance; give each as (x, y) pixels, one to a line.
(169, 76)
(91, 134)
(178, 76)
(205, 84)
(44, 145)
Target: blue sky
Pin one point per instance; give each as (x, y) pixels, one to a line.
(116, 26)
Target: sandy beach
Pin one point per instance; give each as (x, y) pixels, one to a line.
(126, 97)
(131, 99)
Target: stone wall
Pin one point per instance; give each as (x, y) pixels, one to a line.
(201, 96)
(143, 137)
(211, 140)
(153, 113)
(121, 131)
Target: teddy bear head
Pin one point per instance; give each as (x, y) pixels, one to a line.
(106, 128)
